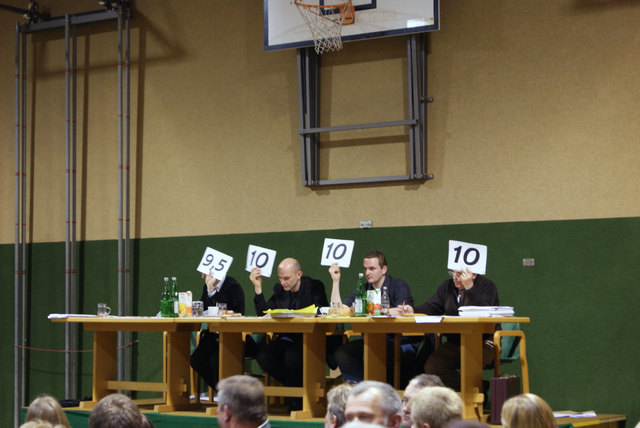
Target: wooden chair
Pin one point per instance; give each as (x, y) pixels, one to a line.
(506, 351)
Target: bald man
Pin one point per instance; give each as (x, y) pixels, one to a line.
(282, 357)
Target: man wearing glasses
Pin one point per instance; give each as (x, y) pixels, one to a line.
(464, 288)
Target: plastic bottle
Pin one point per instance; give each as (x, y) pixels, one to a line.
(361, 297)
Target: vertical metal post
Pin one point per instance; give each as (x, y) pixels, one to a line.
(23, 243)
(67, 266)
(73, 358)
(127, 255)
(120, 207)
(16, 252)
(308, 89)
(423, 103)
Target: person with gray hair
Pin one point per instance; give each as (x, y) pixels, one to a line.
(435, 406)
(336, 400)
(416, 384)
(375, 403)
(115, 411)
(241, 403)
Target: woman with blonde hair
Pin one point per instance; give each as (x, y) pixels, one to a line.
(48, 409)
(527, 411)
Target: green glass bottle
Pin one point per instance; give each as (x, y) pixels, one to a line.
(166, 307)
(174, 297)
(361, 297)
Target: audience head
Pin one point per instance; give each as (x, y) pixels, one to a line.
(115, 411)
(241, 401)
(435, 406)
(39, 423)
(47, 408)
(416, 384)
(374, 402)
(466, 423)
(358, 424)
(336, 400)
(527, 411)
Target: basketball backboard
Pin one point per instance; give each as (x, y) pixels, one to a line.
(284, 28)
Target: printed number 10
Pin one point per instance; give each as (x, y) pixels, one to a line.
(341, 247)
(257, 259)
(467, 255)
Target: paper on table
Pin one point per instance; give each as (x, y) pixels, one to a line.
(428, 319)
(572, 414)
(51, 316)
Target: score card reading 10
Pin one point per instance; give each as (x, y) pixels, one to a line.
(262, 258)
(337, 251)
(465, 255)
(215, 262)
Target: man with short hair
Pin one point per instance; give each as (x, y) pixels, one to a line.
(282, 357)
(435, 406)
(413, 387)
(350, 356)
(464, 288)
(374, 403)
(115, 411)
(336, 400)
(241, 403)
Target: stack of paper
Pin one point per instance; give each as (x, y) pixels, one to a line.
(486, 311)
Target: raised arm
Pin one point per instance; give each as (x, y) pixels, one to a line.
(334, 271)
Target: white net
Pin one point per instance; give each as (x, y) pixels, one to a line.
(325, 22)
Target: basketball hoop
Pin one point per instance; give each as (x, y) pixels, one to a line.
(325, 22)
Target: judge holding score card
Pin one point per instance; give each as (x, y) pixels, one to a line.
(204, 359)
(464, 288)
(282, 357)
(350, 356)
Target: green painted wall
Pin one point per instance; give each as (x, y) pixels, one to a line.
(580, 296)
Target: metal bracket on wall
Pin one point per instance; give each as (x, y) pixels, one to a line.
(309, 106)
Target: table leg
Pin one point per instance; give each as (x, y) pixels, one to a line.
(313, 376)
(178, 377)
(105, 365)
(471, 374)
(231, 355)
(375, 356)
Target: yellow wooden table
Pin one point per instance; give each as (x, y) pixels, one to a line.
(471, 329)
(314, 332)
(105, 358)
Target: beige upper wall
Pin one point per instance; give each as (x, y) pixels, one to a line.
(536, 117)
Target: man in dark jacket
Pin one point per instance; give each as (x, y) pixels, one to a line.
(463, 289)
(282, 357)
(204, 359)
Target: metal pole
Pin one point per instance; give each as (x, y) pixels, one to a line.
(16, 252)
(120, 208)
(127, 255)
(73, 304)
(67, 267)
(23, 269)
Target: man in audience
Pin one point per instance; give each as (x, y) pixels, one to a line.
(282, 357)
(204, 359)
(463, 289)
(435, 406)
(416, 384)
(349, 356)
(374, 403)
(115, 411)
(241, 403)
(336, 400)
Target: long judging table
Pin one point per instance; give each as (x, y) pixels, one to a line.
(314, 330)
